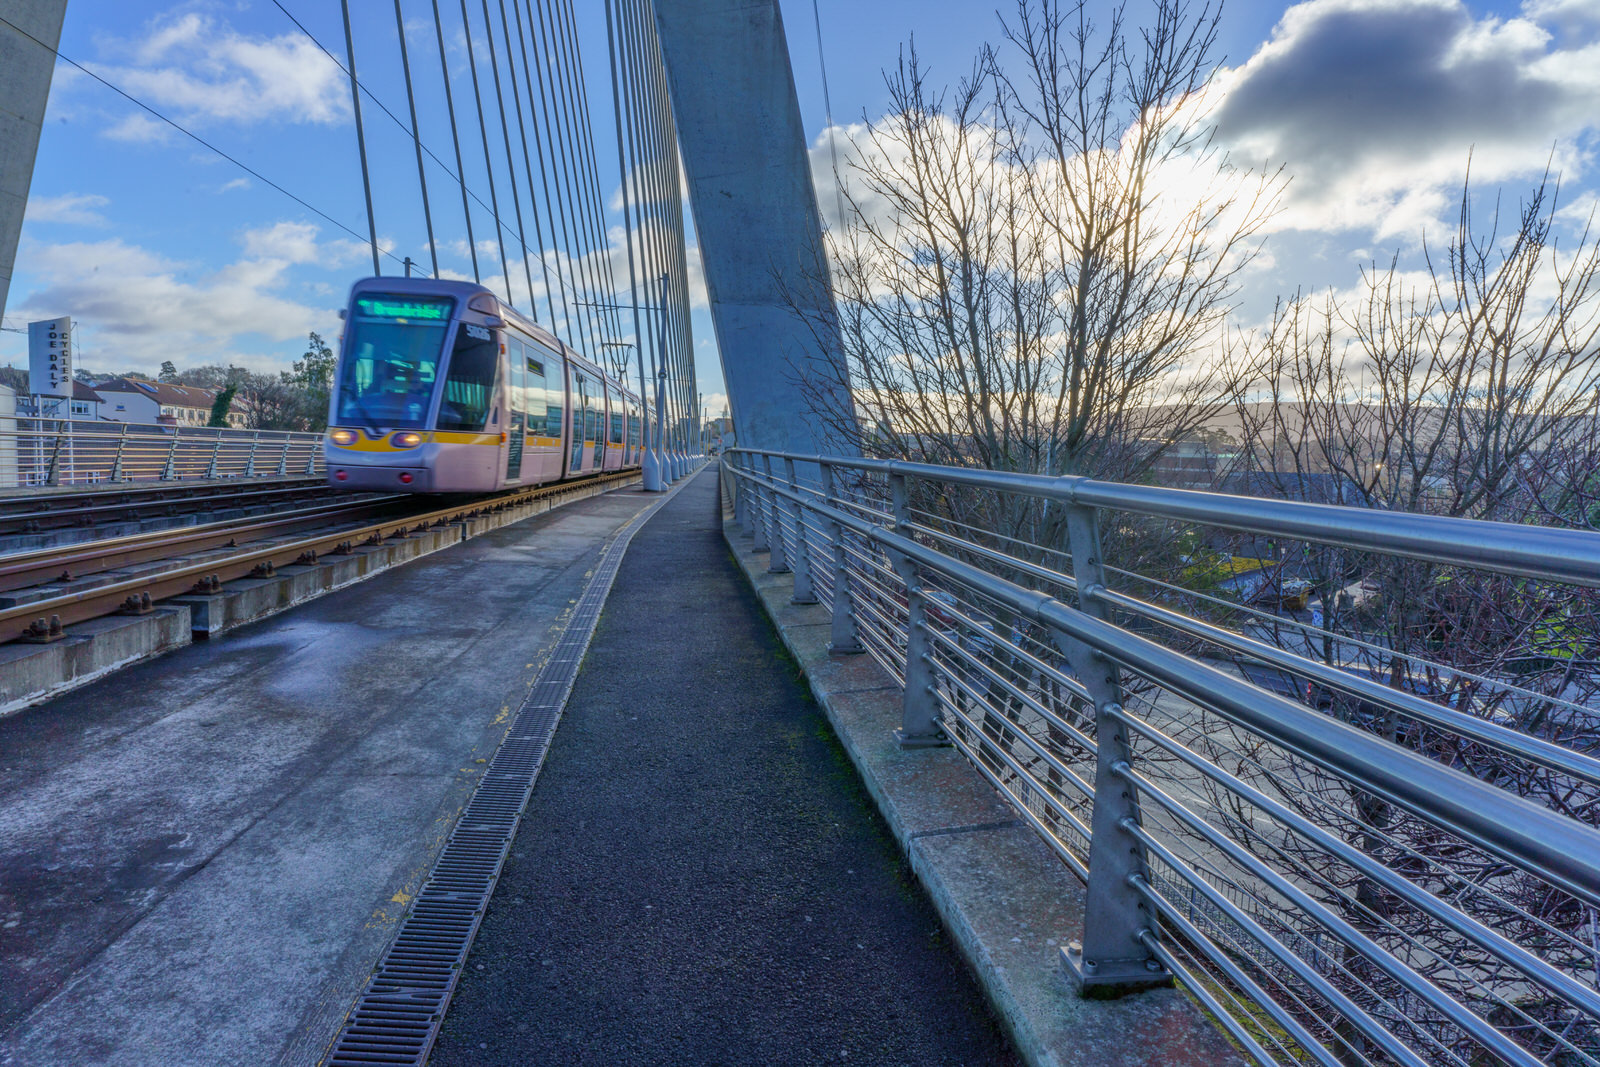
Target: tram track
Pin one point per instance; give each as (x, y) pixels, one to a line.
(43, 512)
(231, 550)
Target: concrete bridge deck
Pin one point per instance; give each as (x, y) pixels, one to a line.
(202, 857)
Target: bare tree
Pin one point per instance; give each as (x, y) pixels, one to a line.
(1469, 389)
(1036, 266)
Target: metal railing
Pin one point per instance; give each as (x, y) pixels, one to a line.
(36, 453)
(1349, 851)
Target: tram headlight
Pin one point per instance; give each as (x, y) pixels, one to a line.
(406, 440)
(342, 437)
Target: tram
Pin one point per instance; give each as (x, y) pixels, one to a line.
(441, 388)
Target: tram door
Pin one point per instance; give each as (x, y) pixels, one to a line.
(580, 405)
(518, 385)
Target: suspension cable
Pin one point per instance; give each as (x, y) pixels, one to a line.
(488, 163)
(361, 137)
(416, 136)
(455, 139)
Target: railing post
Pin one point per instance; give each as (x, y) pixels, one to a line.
(845, 641)
(312, 451)
(170, 471)
(1112, 958)
(803, 593)
(919, 715)
(212, 468)
(741, 491)
(758, 518)
(116, 464)
(283, 458)
(778, 562)
(250, 466)
(53, 472)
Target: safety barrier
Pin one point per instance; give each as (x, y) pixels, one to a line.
(1350, 852)
(61, 452)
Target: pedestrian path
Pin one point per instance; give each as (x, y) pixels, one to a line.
(700, 877)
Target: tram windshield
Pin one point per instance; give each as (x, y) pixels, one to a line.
(391, 359)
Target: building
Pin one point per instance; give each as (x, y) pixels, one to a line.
(85, 406)
(166, 403)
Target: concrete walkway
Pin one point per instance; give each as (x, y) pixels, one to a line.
(700, 877)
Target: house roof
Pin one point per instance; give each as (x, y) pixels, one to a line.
(80, 391)
(173, 394)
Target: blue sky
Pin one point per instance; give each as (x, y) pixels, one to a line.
(162, 250)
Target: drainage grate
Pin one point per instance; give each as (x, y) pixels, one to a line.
(399, 1013)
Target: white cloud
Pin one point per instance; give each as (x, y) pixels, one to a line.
(71, 209)
(199, 69)
(139, 128)
(1374, 105)
(142, 308)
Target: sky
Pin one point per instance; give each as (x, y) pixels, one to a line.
(164, 250)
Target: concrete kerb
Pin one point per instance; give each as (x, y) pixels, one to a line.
(1004, 897)
(31, 674)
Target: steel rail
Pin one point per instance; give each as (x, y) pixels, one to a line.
(50, 508)
(1561, 850)
(82, 558)
(108, 599)
(1571, 556)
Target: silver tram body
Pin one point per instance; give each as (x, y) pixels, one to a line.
(440, 388)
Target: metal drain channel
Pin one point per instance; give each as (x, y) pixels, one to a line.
(399, 1013)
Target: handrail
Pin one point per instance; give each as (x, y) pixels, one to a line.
(1507, 548)
(1445, 986)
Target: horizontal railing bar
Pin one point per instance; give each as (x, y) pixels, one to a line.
(1303, 1037)
(1514, 742)
(1531, 966)
(1469, 1021)
(1508, 548)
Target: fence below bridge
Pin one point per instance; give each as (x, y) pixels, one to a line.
(37, 453)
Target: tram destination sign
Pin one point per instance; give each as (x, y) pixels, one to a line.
(408, 308)
(50, 357)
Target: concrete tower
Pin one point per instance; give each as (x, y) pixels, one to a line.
(755, 213)
(28, 39)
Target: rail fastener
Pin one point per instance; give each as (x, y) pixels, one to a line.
(137, 605)
(42, 632)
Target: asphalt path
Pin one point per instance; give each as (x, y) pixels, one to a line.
(203, 856)
(700, 877)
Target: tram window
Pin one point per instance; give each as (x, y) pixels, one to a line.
(633, 424)
(538, 393)
(616, 416)
(519, 379)
(470, 379)
(391, 360)
(545, 373)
